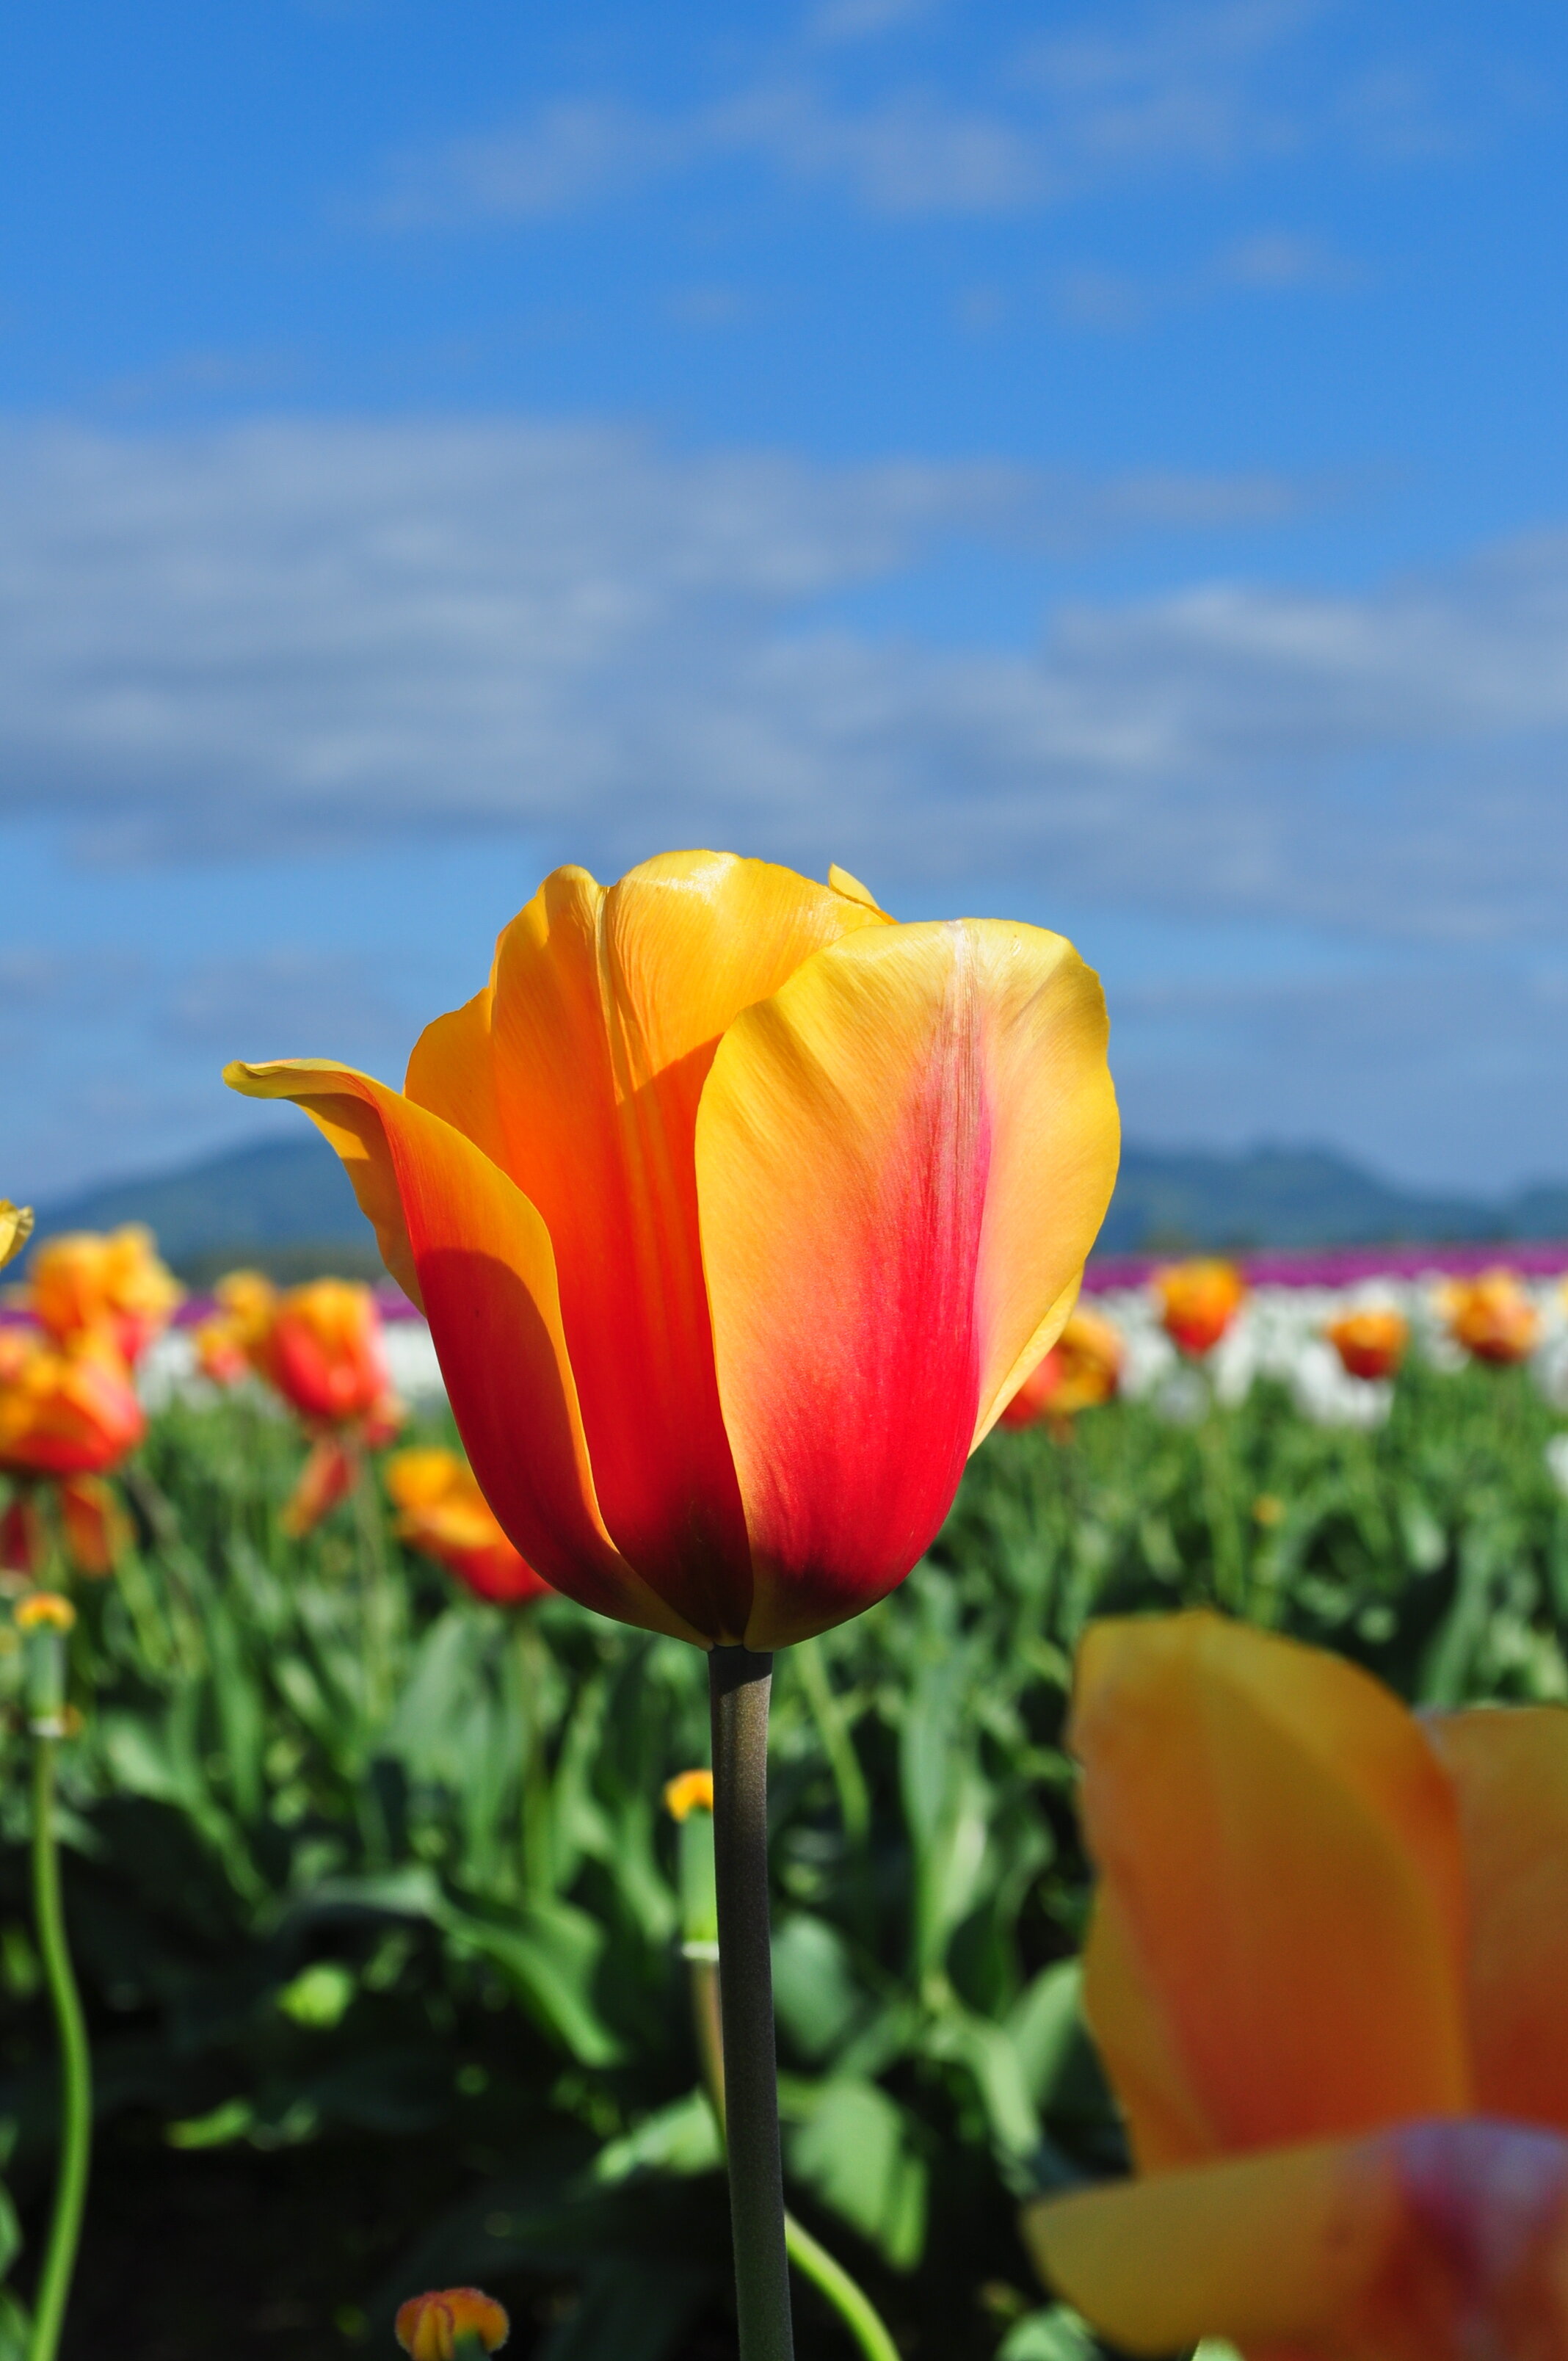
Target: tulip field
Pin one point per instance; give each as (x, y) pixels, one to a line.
(386, 1934)
(762, 1761)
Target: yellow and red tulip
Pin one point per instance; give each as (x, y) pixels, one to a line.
(1326, 1972)
(443, 1513)
(1198, 1300)
(1492, 1316)
(1082, 1369)
(321, 1347)
(1370, 1343)
(66, 1413)
(739, 1212)
(85, 1282)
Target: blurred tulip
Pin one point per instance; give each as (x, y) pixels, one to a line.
(1198, 1300)
(220, 1356)
(1491, 1316)
(329, 1475)
(323, 1350)
(446, 2325)
(1325, 1972)
(1082, 1369)
(66, 1414)
(688, 1792)
(84, 1283)
(97, 1529)
(443, 1513)
(738, 1211)
(16, 1229)
(1370, 1343)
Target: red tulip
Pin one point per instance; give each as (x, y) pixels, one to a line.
(738, 1213)
(1082, 1369)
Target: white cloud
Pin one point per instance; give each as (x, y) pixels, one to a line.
(288, 637)
(1129, 94)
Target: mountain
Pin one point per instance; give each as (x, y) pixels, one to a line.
(286, 1204)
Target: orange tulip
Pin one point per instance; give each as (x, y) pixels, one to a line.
(1198, 1300)
(442, 2326)
(83, 1282)
(443, 1513)
(1370, 1345)
(1326, 1971)
(1082, 1369)
(221, 1358)
(1492, 1316)
(738, 1213)
(65, 1413)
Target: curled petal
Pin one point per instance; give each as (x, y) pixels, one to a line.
(1510, 1769)
(1279, 1848)
(476, 1254)
(902, 1157)
(1433, 2242)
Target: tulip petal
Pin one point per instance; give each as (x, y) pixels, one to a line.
(579, 1072)
(1283, 1850)
(1510, 1769)
(1435, 2242)
(480, 1259)
(902, 1157)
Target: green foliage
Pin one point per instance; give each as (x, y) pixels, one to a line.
(441, 1945)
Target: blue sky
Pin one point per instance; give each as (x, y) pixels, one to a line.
(1099, 463)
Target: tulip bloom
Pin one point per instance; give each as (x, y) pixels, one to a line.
(322, 1349)
(1492, 1317)
(1082, 1369)
(84, 1283)
(66, 1414)
(1198, 1300)
(1370, 1343)
(443, 1513)
(739, 1212)
(1326, 1971)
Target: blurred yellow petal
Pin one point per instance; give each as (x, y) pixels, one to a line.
(902, 1157)
(1510, 1768)
(1437, 2242)
(1265, 2250)
(1283, 1849)
(16, 1229)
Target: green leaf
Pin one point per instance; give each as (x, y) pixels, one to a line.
(682, 2140)
(815, 1992)
(1055, 2333)
(857, 2153)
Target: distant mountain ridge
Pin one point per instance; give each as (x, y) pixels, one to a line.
(287, 1204)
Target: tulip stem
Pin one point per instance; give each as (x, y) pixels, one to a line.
(742, 1683)
(811, 2258)
(76, 2091)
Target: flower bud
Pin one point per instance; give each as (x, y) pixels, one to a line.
(451, 2323)
(44, 1618)
(689, 1799)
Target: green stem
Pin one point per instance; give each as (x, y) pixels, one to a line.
(528, 1657)
(374, 1592)
(849, 1779)
(829, 2277)
(849, 2301)
(76, 2094)
(741, 1686)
